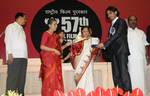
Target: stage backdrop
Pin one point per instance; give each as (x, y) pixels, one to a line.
(71, 16)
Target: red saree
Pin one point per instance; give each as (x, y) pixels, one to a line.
(51, 68)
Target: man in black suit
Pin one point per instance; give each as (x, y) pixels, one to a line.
(118, 43)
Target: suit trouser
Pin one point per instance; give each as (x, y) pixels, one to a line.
(120, 72)
(17, 75)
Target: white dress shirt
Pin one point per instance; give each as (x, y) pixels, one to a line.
(113, 22)
(15, 41)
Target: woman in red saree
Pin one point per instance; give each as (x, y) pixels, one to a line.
(51, 69)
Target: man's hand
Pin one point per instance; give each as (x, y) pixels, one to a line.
(101, 46)
(10, 59)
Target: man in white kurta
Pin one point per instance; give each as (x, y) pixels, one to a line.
(137, 58)
(16, 54)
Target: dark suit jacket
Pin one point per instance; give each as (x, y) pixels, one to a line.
(118, 41)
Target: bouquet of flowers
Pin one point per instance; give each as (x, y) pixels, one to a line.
(100, 92)
(11, 93)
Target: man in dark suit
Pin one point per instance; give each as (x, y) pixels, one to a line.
(118, 43)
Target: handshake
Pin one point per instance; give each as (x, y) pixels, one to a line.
(96, 44)
(100, 45)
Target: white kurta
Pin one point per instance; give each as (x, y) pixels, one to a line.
(137, 59)
(15, 41)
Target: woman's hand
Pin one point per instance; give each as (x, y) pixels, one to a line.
(62, 60)
(56, 52)
(45, 48)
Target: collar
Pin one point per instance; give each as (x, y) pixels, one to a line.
(17, 24)
(132, 28)
(113, 22)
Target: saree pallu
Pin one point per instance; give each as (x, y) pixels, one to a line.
(82, 59)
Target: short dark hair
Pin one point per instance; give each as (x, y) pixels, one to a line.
(132, 16)
(19, 14)
(113, 9)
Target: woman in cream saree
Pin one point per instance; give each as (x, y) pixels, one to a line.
(82, 57)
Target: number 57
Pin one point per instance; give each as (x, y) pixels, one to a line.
(67, 26)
